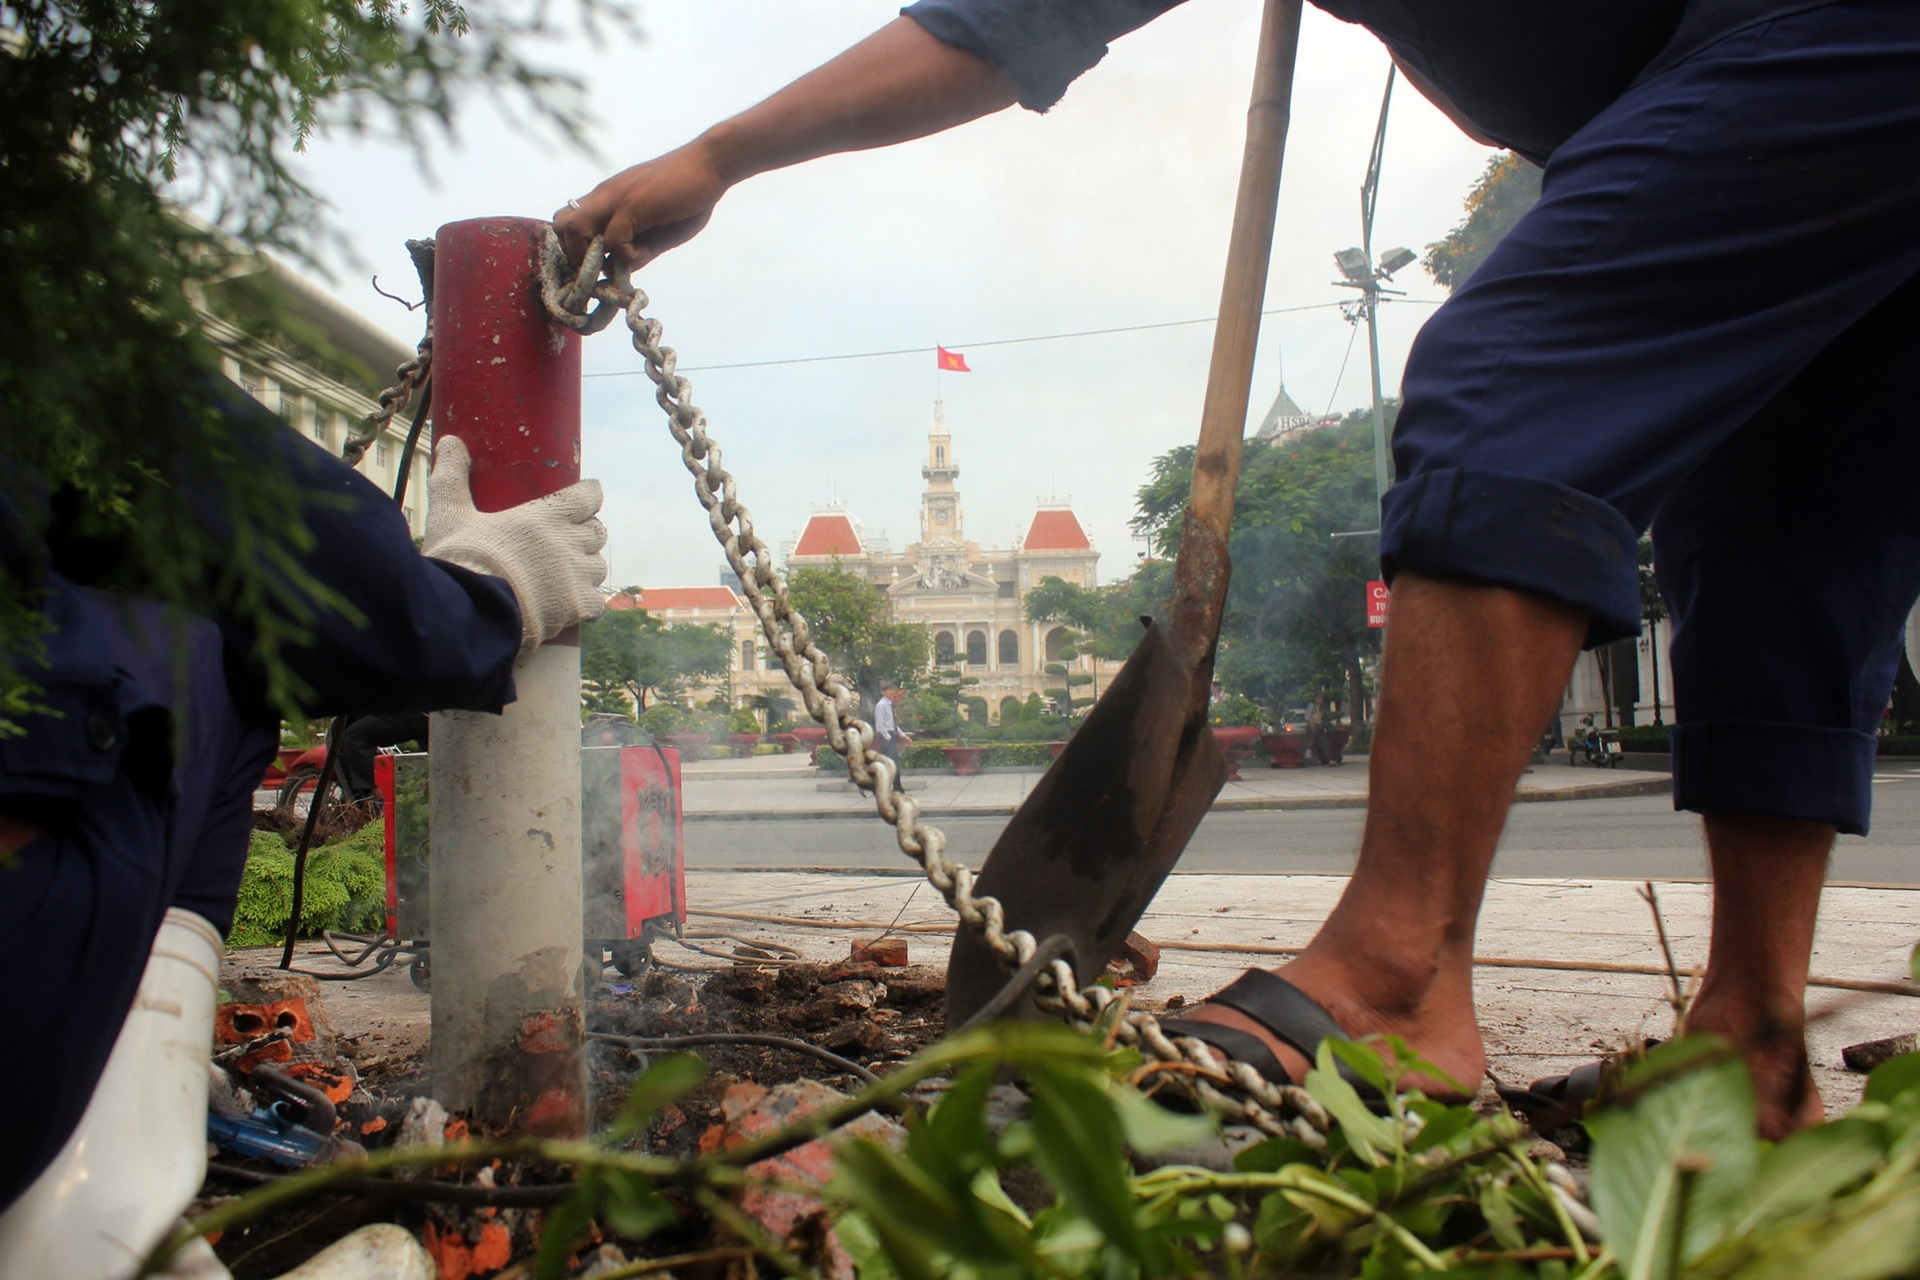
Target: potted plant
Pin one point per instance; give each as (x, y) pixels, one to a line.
(1236, 726)
(938, 708)
(674, 726)
(1339, 733)
(743, 731)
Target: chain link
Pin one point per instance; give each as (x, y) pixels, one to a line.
(588, 302)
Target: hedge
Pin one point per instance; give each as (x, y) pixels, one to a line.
(346, 888)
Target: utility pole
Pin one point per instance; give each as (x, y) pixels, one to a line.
(1369, 197)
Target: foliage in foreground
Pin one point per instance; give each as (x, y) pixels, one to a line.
(346, 888)
(1681, 1189)
(109, 111)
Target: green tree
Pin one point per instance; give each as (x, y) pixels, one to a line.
(1508, 188)
(630, 659)
(1296, 620)
(107, 110)
(852, 620)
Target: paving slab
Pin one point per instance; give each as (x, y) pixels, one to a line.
(1537, 1020)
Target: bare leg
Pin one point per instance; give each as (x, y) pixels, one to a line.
(1767, 875)
(1470, 673)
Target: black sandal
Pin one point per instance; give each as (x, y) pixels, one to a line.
(1290, 1014)
(1555, 1102)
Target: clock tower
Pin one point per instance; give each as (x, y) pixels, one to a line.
(940, 503)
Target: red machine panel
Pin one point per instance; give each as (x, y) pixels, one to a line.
(650, 837)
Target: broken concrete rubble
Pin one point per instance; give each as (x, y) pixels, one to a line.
(750, 1112)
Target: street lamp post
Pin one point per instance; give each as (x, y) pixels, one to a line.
(1359, 271)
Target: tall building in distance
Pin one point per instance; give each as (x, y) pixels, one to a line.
(969, 597)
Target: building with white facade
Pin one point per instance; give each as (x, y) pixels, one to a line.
(314, 361)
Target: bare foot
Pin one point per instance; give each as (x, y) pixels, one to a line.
(1433, 1015)
(1776, 1056)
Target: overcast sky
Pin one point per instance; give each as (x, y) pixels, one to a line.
(1111, 210)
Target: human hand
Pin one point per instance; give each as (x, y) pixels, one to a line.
(644, 211)
(547, 550)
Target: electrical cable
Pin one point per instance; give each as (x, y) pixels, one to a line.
(1335, 393)
(334, 731)
(991, 342)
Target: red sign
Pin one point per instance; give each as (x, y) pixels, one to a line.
(1377, 604)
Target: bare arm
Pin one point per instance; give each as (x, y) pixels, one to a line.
(898, 84)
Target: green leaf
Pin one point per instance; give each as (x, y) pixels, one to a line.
(566, 1225)
(862, 1243)
(1148, 1127)
(1273, 1154)
(1078, 1146)
(1669, 1171)
(1808, 1169)
(665, 1079)
(1893, 1077)
(1366, 1134)
(632, 1209)
(1364, 1061)
(1860, 1240)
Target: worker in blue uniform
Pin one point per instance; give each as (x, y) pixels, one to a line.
(1700, 328)
(130, 796)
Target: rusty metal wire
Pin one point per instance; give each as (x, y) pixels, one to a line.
(586, 301)
(409, 377)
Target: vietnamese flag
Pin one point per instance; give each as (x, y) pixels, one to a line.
(951, 361)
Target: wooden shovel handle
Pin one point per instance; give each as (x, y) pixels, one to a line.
(1223, 419)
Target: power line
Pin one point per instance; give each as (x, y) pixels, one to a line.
(990, 342)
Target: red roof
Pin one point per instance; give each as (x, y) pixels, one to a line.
(660, 599)
(829, 534)
(1056, 530)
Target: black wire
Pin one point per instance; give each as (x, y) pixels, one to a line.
(538, 1196)
(644, 1043)
(306, 836)
(413, 438)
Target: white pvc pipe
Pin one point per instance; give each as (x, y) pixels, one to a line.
(140, 1152)
(504, 803)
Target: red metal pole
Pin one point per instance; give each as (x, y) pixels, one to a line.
(504, 791)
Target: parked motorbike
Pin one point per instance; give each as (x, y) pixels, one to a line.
(1599, 747)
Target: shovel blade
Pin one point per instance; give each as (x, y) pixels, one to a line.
(1096, 838)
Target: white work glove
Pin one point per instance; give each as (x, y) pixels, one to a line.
(547, 550)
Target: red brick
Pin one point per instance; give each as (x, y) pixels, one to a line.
(888, 952)
(1138, 961)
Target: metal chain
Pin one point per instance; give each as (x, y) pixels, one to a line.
(588, 302)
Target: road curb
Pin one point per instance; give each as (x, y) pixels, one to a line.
(1609, 789)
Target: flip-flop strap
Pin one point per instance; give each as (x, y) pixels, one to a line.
(1292, 1015)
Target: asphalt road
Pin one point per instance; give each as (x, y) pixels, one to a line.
(1637, 838)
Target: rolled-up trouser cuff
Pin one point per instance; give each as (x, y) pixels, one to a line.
(1805, 772)
(1517, 531)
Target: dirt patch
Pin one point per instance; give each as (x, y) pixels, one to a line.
(870, 1015)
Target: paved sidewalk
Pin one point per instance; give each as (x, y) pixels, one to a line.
(1536, 1020)
(787, 787)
